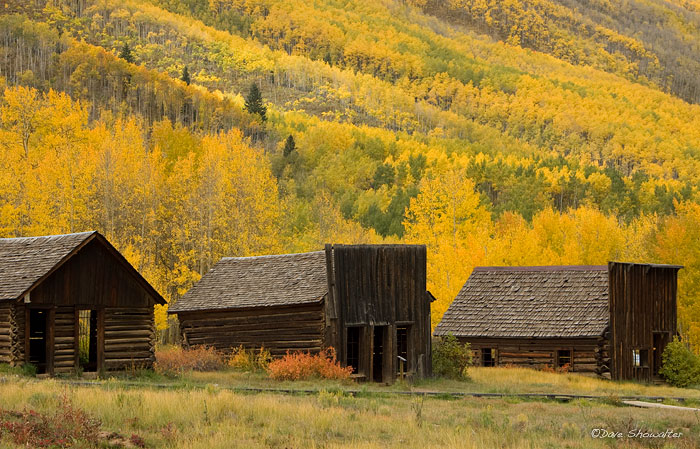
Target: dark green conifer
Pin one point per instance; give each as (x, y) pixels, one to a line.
(289, 146)
(254, 102)
(185, 76)
(126, 55)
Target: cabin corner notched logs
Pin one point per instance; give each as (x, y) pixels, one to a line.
(72, 303)
(612, 320)
(369, 302)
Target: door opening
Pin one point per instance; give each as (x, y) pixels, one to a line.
(660, 342)
(378, 354)
(87, 340)
(38, 331)
(353, 349)
(402, 349)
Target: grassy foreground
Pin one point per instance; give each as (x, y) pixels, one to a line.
(212, 417)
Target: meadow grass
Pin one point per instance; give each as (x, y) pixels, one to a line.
(216, 418)
(483, 380)
(211, 416)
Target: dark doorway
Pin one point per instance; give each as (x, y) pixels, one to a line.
(353, 348)
(402, 348)
(488, 357)
(38, 331)
(87, 340)
(378, 354)
(660, 342)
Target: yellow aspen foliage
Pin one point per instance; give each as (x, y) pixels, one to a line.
(678, 242)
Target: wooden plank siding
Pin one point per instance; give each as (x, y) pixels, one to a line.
(642, 302)
(381, 285)
(278, 329)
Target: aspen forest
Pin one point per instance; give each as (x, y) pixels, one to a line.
(547, 132)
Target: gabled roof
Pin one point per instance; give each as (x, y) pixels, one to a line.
(26, 261)
(530, 302)
(262, 281)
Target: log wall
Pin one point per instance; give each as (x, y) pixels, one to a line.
(539, 353)
(278, 329)
(129, 338)
(6, 331)
(65, 340)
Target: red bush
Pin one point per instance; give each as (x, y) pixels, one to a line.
(176, 360)
(303, 365)
(64, 428)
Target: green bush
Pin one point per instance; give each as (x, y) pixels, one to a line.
(26, 369)
(451, 358)
(680, 367)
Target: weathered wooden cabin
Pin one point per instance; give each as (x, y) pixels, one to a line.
(368, 302)
(612, 320)
(71, 303)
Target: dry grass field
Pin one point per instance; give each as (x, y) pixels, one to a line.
(201, 411)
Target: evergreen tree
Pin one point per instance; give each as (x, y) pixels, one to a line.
(126, 55)
(289, 146)
(254, 102)
(185, 76)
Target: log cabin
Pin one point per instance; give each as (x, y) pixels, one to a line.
(72, 303)
(368, 302)
(611, 320)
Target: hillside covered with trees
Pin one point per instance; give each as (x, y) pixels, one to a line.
(497, 133)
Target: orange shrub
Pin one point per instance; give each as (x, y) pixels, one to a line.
(561, 369)
(303, 365)
(176, 360)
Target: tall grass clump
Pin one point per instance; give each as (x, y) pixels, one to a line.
(175, 361)
(304, 365)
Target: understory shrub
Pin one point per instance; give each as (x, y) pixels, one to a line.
(175, 360)
(26, 369)
(451, 358)
(250, 360)
(67, 426)
(680, 367)
(304, 365)
(559, 369)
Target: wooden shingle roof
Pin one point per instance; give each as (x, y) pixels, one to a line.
(262, 281)
(26, 260)
(530, 302)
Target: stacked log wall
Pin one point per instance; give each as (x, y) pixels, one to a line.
(18, 319)
(6, 331)
(129, 338)
(538, 353)
(65, 341)
(278, 329)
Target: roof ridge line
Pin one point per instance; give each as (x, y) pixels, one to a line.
(49, 236)
(270, 255)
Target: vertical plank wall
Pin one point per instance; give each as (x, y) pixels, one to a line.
(642, 301)
(381, 285)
